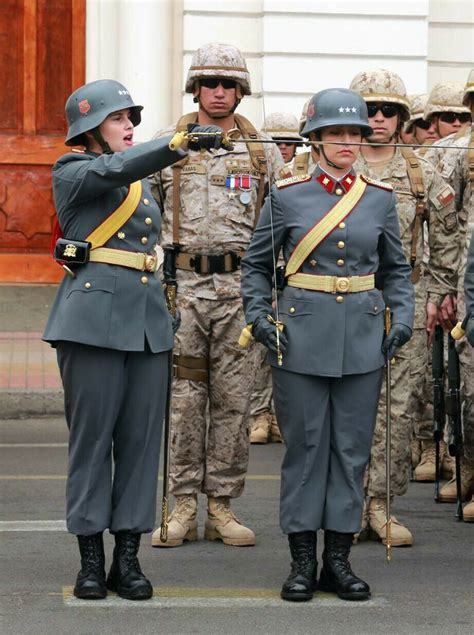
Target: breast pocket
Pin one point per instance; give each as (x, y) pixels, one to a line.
(89, 307)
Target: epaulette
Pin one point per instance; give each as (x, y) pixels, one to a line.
(78, 151)
(381, 184)
(292, 180)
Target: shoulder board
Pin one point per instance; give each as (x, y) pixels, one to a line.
(292, 180)
(381, 184)
(78, 151)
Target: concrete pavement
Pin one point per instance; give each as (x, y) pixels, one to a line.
(207, 587)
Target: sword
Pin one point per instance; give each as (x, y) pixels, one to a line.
(388, 440)
(234, 135)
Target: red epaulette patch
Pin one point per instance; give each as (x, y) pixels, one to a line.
(381, 184)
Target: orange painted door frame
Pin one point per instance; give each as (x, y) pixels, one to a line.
(42, 47)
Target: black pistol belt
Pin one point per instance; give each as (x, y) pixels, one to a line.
(194, 368)
(209, 263)
(133, 260)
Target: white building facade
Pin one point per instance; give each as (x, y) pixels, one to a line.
(293, 47)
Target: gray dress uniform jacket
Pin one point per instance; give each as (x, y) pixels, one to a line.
(105, 305)
(330, 334)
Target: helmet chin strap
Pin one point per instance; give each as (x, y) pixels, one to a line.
(101, 141)
(328, 161)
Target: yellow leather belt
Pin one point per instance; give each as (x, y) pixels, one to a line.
(131, 259)
(332, 284)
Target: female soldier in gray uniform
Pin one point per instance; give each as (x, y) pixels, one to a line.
(112, 332)
(344, 263)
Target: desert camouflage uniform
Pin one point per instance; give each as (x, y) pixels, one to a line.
(453, 166)
(212, 221)
(408, 371)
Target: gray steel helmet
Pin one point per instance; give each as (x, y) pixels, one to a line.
(91, 104)
(336, 107)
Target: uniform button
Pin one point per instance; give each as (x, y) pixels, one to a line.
(121, 235)
(148, 221)
(88, 285)
(144, 279)
(292, 309)
(338, 191)
(376, 308)
(342, 225)
(340, 262)
(146, 201)
(144, 240)
(313, 263)
(341, 244)
(339, 299)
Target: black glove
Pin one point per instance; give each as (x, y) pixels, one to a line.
(265, 333)
(176, 321)
(470, 330)
(210, 137)
(398, 336)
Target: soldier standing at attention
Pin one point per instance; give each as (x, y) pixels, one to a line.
(211, 202)
(112, 332)
(445, 110)
(421, 195)
(422, 130)
(338, 233)
(283, 127)
(456, 166)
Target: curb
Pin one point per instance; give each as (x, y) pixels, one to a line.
(22, 404)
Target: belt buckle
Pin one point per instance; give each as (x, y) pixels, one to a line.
(150, 263)
(342, 285)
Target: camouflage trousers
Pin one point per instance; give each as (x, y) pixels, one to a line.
(424, 413)
(466, 362)
(209, 427)
(262, 394)
(408, 372)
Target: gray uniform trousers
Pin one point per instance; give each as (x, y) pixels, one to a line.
(327, 425)
(114, 402)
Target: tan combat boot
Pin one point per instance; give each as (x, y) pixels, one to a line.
(400, 536)
(261, 427)
(275, 434)
(182, 523)
(426, 469)
(221, 524)
(447, 467)
(468, 511)
(363, 533)
(447, 493)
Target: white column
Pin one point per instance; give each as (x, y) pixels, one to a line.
(131, 41)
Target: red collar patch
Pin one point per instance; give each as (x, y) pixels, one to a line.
(331, 185)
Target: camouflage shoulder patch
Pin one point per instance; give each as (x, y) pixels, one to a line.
(292, 180)
(381, 184)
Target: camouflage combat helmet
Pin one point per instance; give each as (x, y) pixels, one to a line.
(468, 90)
(381, 85)
(281, 125)
(218, 60)
(91, 104)
(417, 109)
(336, 107)
(445, 97)
(304, 115)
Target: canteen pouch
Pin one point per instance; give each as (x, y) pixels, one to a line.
(71, 252)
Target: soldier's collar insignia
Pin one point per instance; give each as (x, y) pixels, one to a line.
(330, 183)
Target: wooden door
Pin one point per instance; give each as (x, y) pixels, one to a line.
(42, 48)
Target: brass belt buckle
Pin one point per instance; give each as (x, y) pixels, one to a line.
(342, 285)
(150, 263)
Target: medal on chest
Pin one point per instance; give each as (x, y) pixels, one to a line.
(241, 182)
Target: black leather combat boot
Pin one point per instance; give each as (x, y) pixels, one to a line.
(336, 575)
(125, 576)
(90, 583)
(301, 583)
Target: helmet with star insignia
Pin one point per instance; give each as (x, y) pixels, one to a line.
(336, 107)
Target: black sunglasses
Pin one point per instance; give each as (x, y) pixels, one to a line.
(424, 124)
(388, 110)
(450, 117)
(213, 82)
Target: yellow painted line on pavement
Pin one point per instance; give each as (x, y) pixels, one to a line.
(62, 477)
(202, 598)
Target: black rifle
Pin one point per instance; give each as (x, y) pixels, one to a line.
(453, 409)
(439, 418)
